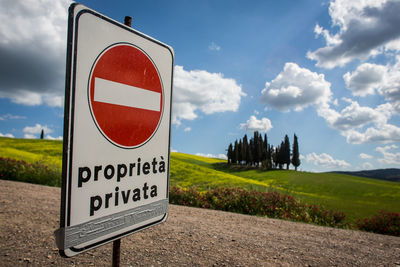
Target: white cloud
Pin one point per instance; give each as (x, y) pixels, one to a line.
(11, 117)
(296, 88)
(326, 160)
(367, 166)
(29, 98)
(355, 116)
(31, 131)
(201, 90)
(365, 79)
(389, 157)
(25, 98)
(393, 45)
(365, 156)
(214, 47)
(384, 134)
(390, 88)
(222, 156)
(183, 111)
(330, 40)
(53, 138)
(7, 135)
(360, 124)
(174, 150)
(187, 129)
(219, 156)
(32, 50)
(54, 100)
(361, 29)
(366, 28)
(368, 78)
(253, 124)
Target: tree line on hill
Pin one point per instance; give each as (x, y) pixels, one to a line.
(257, 152)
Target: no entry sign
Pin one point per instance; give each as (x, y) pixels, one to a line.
(125, 95)
(117, 122)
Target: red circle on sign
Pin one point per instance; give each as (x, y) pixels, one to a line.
(125, 95)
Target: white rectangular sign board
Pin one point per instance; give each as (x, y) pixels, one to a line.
(116, 132)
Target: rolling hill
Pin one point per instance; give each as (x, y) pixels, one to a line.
(392, 174)
(357, 197)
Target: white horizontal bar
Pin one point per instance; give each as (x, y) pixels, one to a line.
(125, 95)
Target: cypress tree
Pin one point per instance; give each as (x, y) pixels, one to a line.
(42, 134)
(240, 148)
(245, 150)
(236, 152)
(296, 153)
(229, 154)
(259, 148)
(281, 153)
(254, 147)
(275, 156)
(264, 148)
(269, 156)
(286, 151)
(251, 152)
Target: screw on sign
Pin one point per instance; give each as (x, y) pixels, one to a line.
(125, 95)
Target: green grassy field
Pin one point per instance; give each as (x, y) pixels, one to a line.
(32, 150)
(357, 197)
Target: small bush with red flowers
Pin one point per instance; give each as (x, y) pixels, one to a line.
(37, 173)
(387, 223)
(271, 204)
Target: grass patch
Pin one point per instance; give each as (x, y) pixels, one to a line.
(49, 152)
(186, 174)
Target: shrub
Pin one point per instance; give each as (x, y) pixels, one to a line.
(187, 197)
(325, 217)
(387, 223)
(37, 173)
(271, 204)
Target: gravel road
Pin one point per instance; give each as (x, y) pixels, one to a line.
(29, 214)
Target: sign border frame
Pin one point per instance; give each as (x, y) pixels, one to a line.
(69, 111)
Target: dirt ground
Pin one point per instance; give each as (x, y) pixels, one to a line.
(29, 214)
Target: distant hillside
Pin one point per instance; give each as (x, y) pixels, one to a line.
(392, 175)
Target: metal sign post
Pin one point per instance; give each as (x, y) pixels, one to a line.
(117, 127)
(116, 256)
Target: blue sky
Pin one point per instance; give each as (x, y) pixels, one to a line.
(328, 71)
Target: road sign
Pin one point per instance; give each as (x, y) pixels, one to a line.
(117, 123)
(125, 104)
